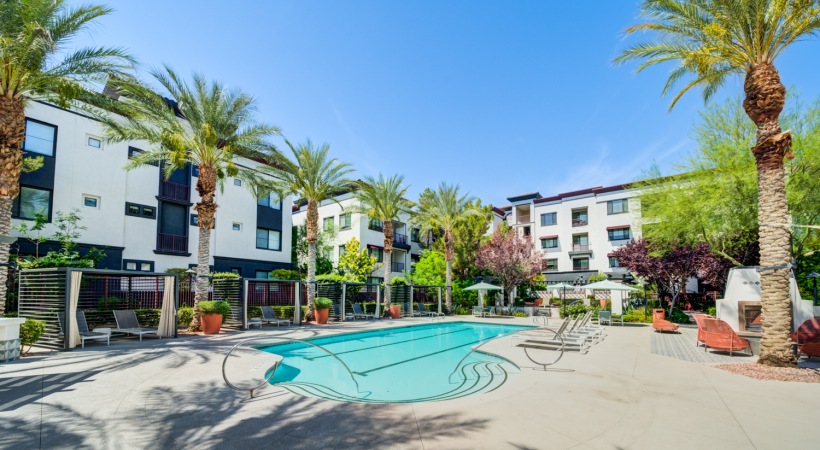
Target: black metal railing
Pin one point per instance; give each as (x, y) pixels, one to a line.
(175, 191)
(174, 243)
(400, 238)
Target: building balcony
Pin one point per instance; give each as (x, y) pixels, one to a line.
(397, 267)
(580, 222)
(174, 191)
(400, 241)
(172, 243)
(580, 247)
(580, 268)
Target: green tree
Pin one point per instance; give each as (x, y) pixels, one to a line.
(324, 245)
(383, 198)
(431, 269)
(467, 235)
(34, 65)
(219, 127)
(314, 177)
(443, 212)
(355, 263)
(711, 40)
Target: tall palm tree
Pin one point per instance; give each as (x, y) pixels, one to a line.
(218, 127)
(383, 199)
(711, 40)
(314, 177)
(441, 213)
(33, 34)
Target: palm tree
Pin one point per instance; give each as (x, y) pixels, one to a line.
(441, 213)
(32, 33)
(711, 40)
(313, 177)
(383, 199)
(218, 127)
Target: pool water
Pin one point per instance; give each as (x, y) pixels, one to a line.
(396, 365)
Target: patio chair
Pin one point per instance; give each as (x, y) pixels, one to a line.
(82, 326)
(605, 316)
(583, 328)
(807, 337)
(268, 316)
(424, 311)
(659, 322)
(701, 339)
(127, 323)
(557, 340)
(478, 311)
(358, 312)
(720, 336)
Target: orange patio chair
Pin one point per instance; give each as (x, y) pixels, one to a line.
(701, 331)
(720, 336)
(807, 337)
(659, 322)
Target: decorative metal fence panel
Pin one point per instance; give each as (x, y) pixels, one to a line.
(281, 295)
(402, 295)
(364, 295)
(230, 290)
(431, 296)
(41, 296)
(333, 291)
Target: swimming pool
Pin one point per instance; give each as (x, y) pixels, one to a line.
(395, 365)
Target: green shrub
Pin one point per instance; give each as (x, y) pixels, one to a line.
(712, 311)
(322, 303)
(214, 307)
(678, 316)
(462, 311)
(223, 275)
(573, 310)
(521, 314)
(331, 278)
(285, 274)
(284, 312)
(30, 332)
(109, 303)
(399, 281)
(149, 317)
(184, 316)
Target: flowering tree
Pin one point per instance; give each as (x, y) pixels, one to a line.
(669, 268)
(511, 258)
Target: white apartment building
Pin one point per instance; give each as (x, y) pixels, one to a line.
(369, 232)
(142, 221)
(578, 231)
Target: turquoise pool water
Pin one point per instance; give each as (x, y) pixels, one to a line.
(396, 365)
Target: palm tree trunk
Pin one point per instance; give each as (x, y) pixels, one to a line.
(12, 132)
(206, 211)
(449, 253)
(765, 97)
(388, 259)
(312, 239)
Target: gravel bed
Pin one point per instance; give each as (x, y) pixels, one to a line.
(762, 372)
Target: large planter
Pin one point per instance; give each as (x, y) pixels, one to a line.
(10, 337)
(395, 311)
(211, 323)
(603, 303)
(321, 316)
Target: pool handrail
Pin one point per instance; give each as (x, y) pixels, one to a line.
(276, 364)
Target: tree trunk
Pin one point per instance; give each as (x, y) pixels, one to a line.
(12, 132)
(388, 259)
(206, 212)
(312, 226)
(765, 97)
(449, 254)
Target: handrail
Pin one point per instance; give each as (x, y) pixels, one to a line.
(276, 365)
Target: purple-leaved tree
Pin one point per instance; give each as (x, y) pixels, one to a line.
(511, 258)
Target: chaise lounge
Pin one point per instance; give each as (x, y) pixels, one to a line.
(719, 335)
(659, 322)
(127, 323)
(807, 338)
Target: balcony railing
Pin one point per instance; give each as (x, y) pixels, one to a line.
(574, 267)
(580, 222)
(400, 238)
(397, 267)
(175, 191)
(375, 225)
(580, 247)
(173, 243)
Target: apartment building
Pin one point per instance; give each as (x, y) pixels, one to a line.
(337, 215)
(142, 221)
(579, 230)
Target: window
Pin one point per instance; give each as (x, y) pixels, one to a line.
(236, 226)
(618, 234)
(236, 270)
(344, 221)
(194, 170)
(94, 142)
(549, 219)
(580, 264)
(552, 265)
(40, 138)
(617, 206)
(133, 152)
(327, 223)
(375, 280)
(414, 234)
(327, 253)
(580, 242)
(91, 201)
(551, 242)
(375, 224)
(271, 200)
(268, 239)
(237, 182)
(263, 274)
(30, 202)
(138, 266)
(526, 231)
(377, 253)
(580, 218)
(613, 262)
(342, 250)
(133, 209)
(194, 220)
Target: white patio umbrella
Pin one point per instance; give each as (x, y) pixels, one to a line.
(563, 287)
(608, 285)
(482, 289)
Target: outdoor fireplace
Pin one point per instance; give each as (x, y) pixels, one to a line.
(748, 316)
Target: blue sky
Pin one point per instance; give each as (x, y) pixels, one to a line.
(501, 97)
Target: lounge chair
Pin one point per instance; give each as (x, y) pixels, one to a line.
(553, 342)
(478, 311)
(659, 322)
(358, 312)
(424, 311)
(807, 337)
(268, 316)
(720, 336)
(605, 316)
(82, 326)
(699, 318)
(127, 323)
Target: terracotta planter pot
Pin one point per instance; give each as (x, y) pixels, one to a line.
(210, 323)
(603, 303)
(539, 302)
(395, 311)
(321, 316)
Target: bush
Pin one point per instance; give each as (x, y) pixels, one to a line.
(399, 281)
(712, 311)
(636, 315)
(285, 274)
(214, 307)
(521, 314)
(109, 303)
(331, 278)
(149, 317)
(573, 310)
(462, 311)
(223, 275)
(30, 332)
(678, 316)
(322, 303)
(184, 316)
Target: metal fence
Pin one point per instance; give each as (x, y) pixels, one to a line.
(284, 296)
(230, 290)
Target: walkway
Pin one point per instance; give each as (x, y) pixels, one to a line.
(682, 346)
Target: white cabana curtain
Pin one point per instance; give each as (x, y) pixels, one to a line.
(74, 298)
(168, 314)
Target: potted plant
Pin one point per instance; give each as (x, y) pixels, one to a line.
(395, 310)
(322, 308)
(211, 315)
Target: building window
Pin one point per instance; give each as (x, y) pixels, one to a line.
(375, 280)
(133, 152)
(94, 142)
(526, 231)
(580, 242)
(613, 262)
(194, 220)
(91, 201)
(344, 221)
(327, 253)
(236, 226)
(327, 223)
(375, 225)
(268, 239)
(549, 243)
(237, 182)
(549, 219)
(236, 270)
(619, 234)
(580, 264)
(194, 170)
(617, 206)
(31, 202)
(377, 253)
(133, 209)
(40, 138)
(342, 250)
(580, 218)
(138, 266)
(414, 234)
(552, 265)
(271, 200)
(262, 274)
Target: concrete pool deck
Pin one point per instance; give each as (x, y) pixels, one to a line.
(169, 393)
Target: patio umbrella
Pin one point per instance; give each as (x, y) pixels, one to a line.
(563, 287)
(608, 285)
(482, 289)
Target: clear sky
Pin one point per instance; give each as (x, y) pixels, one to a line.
(501, 97)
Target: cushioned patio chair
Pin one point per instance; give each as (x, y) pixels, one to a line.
(82, 326)
(424, 311)
(127, 323)
(659, 322)
(719, 335)
(807, 337)
(699, 318)
(604, 317)
(268, 316)
(358, 312)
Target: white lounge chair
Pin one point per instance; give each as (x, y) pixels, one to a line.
(548, 340)
(82, 326)
(269, 316)
(127, 323)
